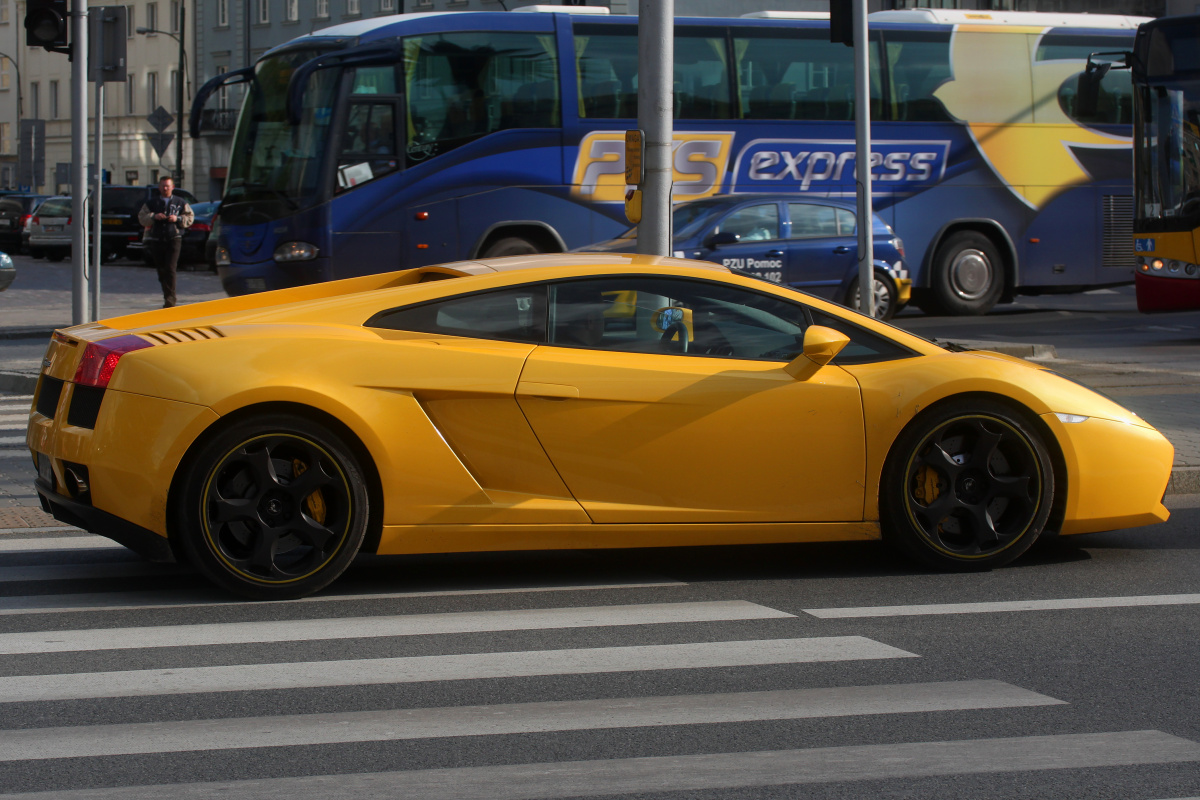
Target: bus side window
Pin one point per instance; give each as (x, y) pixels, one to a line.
(918, 63)
(1114, 105)
(369, 143)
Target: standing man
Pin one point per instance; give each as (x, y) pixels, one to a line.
(165, 217)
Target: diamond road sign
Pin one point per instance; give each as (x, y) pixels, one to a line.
(160, 141)
(161, 119)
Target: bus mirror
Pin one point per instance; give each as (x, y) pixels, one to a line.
(1087, 93)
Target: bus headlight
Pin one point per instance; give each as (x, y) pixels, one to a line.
(222, 257)
(295, 251)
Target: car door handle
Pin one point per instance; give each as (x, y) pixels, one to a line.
(547, 391)
(774, 253)
(842, 249)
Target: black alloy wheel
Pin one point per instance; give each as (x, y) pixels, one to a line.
(274, 509)
(968, 486)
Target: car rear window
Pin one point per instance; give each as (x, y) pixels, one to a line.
(11, 206)
(55, 208)
(123, 201)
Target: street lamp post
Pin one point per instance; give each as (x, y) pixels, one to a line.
(17, 67)
(178, 88)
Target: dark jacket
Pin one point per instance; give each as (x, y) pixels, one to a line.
(161, 228)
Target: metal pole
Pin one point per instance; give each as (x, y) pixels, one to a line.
(98, 245)
(245, 33)
(862, 160)
(79, 181)
(179, 100)
(656, 73)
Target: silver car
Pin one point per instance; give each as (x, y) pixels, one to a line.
(8, 271)
(50, 229)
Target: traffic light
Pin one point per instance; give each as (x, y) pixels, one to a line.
(46, 24)
(841, 22)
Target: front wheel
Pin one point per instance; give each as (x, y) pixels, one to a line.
(273, 508)
(511, 246)
(968, 276)
(968, 486)
(885, 297)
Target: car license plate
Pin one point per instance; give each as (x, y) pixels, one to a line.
(111, 221)
(53, 228)
(6, 223)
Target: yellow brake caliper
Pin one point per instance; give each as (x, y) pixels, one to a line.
(927, 485)
(315, 502)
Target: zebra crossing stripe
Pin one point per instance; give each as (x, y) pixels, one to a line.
(11, 440)
(91, 741)
(1005, 606)
(418, 669)
(303, 630)
(211, 598)
(694, 773)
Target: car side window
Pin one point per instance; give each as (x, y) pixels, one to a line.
(812, 221)
(753, 223)
(865, 347)
(682, 317)
(515, 315)
(845, 220)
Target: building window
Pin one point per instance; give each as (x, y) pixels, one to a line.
(6, 138)
(35, 105)
(291, 10)
(223, 92)
(130, 84)
(264, 12)
(4, 17)
(130, 22)
(353, 8)
(151, 18)
(222, 13)
(322, 11)
(53, 99)
(152, 90)
(131, 177)
(387, 5)
(174, 16)
(5, 82)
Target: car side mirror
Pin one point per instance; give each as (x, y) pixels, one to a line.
(821, 345)
(724, 237)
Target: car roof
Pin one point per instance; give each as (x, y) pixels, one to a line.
(513, 263)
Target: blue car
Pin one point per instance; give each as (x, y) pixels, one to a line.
(806, 242)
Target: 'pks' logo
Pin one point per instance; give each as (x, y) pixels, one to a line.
(822, 165)
(699, 161)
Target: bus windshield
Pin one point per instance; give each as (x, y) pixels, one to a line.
(1168, 174)
(275, 168)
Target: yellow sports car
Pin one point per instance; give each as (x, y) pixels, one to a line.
(563, 401)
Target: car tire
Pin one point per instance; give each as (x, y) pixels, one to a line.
(56, 255)
(251, 523)
(967, 278)
(37, 252)
(967, 486)
(885, 296)
(511, 246)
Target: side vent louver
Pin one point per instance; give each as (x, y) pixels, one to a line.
(183, 335)
(1118, 233)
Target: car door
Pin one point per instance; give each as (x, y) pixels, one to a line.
(758, 248)
(697, 422)
(822, 247)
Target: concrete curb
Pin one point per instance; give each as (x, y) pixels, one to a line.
(1007, 348)
(1184, 480)
(19, 382)
(29, 333)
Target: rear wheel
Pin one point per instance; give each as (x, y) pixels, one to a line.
(885, 297)
(967, 278)
(511, 246)
(273, 508)
(56, 255)
(968, 486)
(37, 252)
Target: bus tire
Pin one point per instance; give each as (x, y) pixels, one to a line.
(511, 246)
(968, 275)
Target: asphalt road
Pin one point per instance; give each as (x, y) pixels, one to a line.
(743, 672)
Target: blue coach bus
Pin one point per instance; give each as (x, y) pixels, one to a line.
(401, 141)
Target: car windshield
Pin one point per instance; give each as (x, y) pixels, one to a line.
(56, 207)
(687, 218)
(204, 209)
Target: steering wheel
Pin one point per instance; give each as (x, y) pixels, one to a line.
(679, 327)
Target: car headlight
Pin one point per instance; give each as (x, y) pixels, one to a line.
(5, 260)
(295, 251)
(222, 257)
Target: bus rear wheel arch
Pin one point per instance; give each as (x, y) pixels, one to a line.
(967, 275)
(519, 240)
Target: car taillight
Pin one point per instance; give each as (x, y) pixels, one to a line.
(201, 226)
(898, 243)
(24, 219)
(100, 359)
(37, 221)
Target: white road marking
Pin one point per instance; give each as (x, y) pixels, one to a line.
(91, 741)
(934, 609)
(690, 773)
(305, 630)
(12, 440)
(417, 669)
(22, 418)
(84, 572)
(202, 598)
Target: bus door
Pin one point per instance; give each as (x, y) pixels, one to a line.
(749, 238)
(366, 232)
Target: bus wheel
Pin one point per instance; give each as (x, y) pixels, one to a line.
(968, 275)
(885, 297)
(511, 246)
(967, 486)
